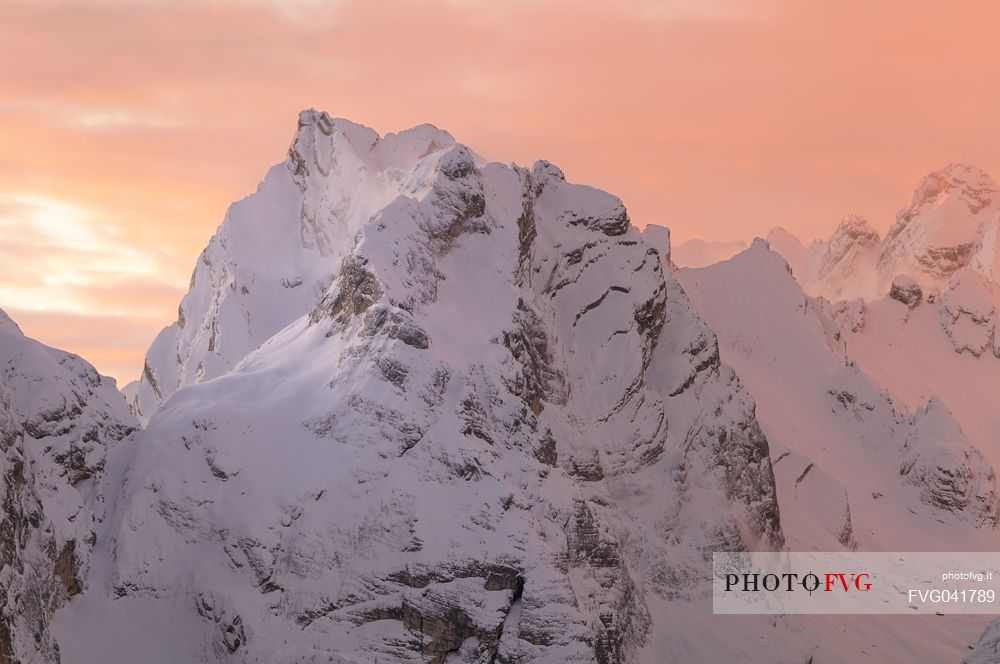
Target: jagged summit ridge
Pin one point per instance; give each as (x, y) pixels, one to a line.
(950, 223)
(853, 234)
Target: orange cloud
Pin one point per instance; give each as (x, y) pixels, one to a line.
(718, 118)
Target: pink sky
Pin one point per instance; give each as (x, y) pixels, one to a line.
(127, 127)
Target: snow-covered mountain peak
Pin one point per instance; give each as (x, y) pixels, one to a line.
(466, 410)
(761, 256)
(845, 265)
(820, 404)
(7, 323)
(780, 236)
(419, 407)
(320, 136)
(942, 228)
(951, 222)
(971, 184)
(543, 170)
(798, 255)
(855, 227)
(278, 249)
(848, 247)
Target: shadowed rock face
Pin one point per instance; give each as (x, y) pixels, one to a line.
(438, 456)
(58, 418)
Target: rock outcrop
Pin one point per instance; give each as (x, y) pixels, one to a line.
(58, 420)
(906, 290)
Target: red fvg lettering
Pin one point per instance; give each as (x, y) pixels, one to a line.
(857, 581)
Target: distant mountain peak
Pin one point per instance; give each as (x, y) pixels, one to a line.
(856, 227)
(940, 230)
(951, 222)
(974, 185)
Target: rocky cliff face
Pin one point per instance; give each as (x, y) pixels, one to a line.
(58, 419)
(496, 431)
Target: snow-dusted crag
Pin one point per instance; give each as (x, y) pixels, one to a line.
(58, 420)
(483, 424)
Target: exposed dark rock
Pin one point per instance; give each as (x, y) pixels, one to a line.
(624, 618)
(906, 290)
(587, 469)
(395, 324)
(538, 381)
(546, 450)
(65, 569)
(356, 290)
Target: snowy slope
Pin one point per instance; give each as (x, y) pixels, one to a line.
(938, 348)
(882, 436)
(58, 419)
(850, 454)
(500, 433)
